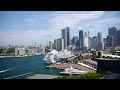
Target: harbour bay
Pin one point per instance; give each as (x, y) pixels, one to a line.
(20, 68)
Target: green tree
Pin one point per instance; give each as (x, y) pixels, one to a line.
(112, 51)
(10, 51)
(89, 75)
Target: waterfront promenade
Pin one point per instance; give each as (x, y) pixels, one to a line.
(66, 65)
(42, 76)
(13, 56)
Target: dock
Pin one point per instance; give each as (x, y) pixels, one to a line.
(66, 65)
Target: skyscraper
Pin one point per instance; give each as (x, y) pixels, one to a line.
(75, 40)
(81, 39)
(86, 40)
(59, 44)
(55, 44)
(100, 42)
(94, 42)
(50, 45)
(118, 38)
(64, 37)
(105, 42)
(68, 36)
(110, 41)
(113, 32)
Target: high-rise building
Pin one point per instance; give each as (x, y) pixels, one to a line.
(81, 39)
(105, 42)
(68, 36)
(90, 42)
(86, 40)
(110, 41)
(50, 45)
(118, 38)
(94, 42)
(75, 40)
(59, 44)
(113, 32)
(64, 37)
(55, 44)
(100, 42)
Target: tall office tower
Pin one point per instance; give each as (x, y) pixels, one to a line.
(55, 44)
(81, 40)
(64, 37)
(110, 41)
(105, 42)
(90, 42)
(60, 44)
(113, 32)
(94, 42)
(68, 36)
(50, 45)
(100, 43)
(86, 40)
(75, 41)
(118, 38)
(19, 51)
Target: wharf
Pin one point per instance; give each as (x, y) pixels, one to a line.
(66, 65)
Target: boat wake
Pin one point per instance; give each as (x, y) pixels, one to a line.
(18, 75)
(6, 70)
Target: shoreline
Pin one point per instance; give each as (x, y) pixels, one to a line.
(13, 56)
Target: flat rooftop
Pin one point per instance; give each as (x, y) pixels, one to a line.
(107, 59)
(67, 65)
(67, 56)
(90, 61)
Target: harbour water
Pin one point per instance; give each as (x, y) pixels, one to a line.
(20, 68)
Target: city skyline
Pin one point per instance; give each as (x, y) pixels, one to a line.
(28, 27)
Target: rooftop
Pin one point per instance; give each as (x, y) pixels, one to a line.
(107, 59)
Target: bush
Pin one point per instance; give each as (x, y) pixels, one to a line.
(89, 75)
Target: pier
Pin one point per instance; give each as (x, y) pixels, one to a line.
(66, 65)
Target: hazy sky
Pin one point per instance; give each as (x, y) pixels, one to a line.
(28, 27)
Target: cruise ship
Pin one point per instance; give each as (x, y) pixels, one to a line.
(51, 57)
(54, 56)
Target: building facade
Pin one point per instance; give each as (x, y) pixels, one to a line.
(50, 45)
(94, 42)
(19, 51)
(75, 41)
(113, 32)
(68, 36)
(64, 37)
(86, 40)
(110, 41)
(100, 42)
(81, 40)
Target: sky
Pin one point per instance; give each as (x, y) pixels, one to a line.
(28, 27)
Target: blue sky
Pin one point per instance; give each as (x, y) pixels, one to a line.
(28, 27)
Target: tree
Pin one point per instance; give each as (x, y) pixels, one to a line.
(112, 51)
(89, 75)
(10, 51)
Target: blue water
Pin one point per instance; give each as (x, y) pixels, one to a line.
(20, 68)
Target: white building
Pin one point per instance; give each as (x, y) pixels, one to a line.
(86, 40)
(19, 51)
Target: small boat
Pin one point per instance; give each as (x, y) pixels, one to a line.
(72, 71)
